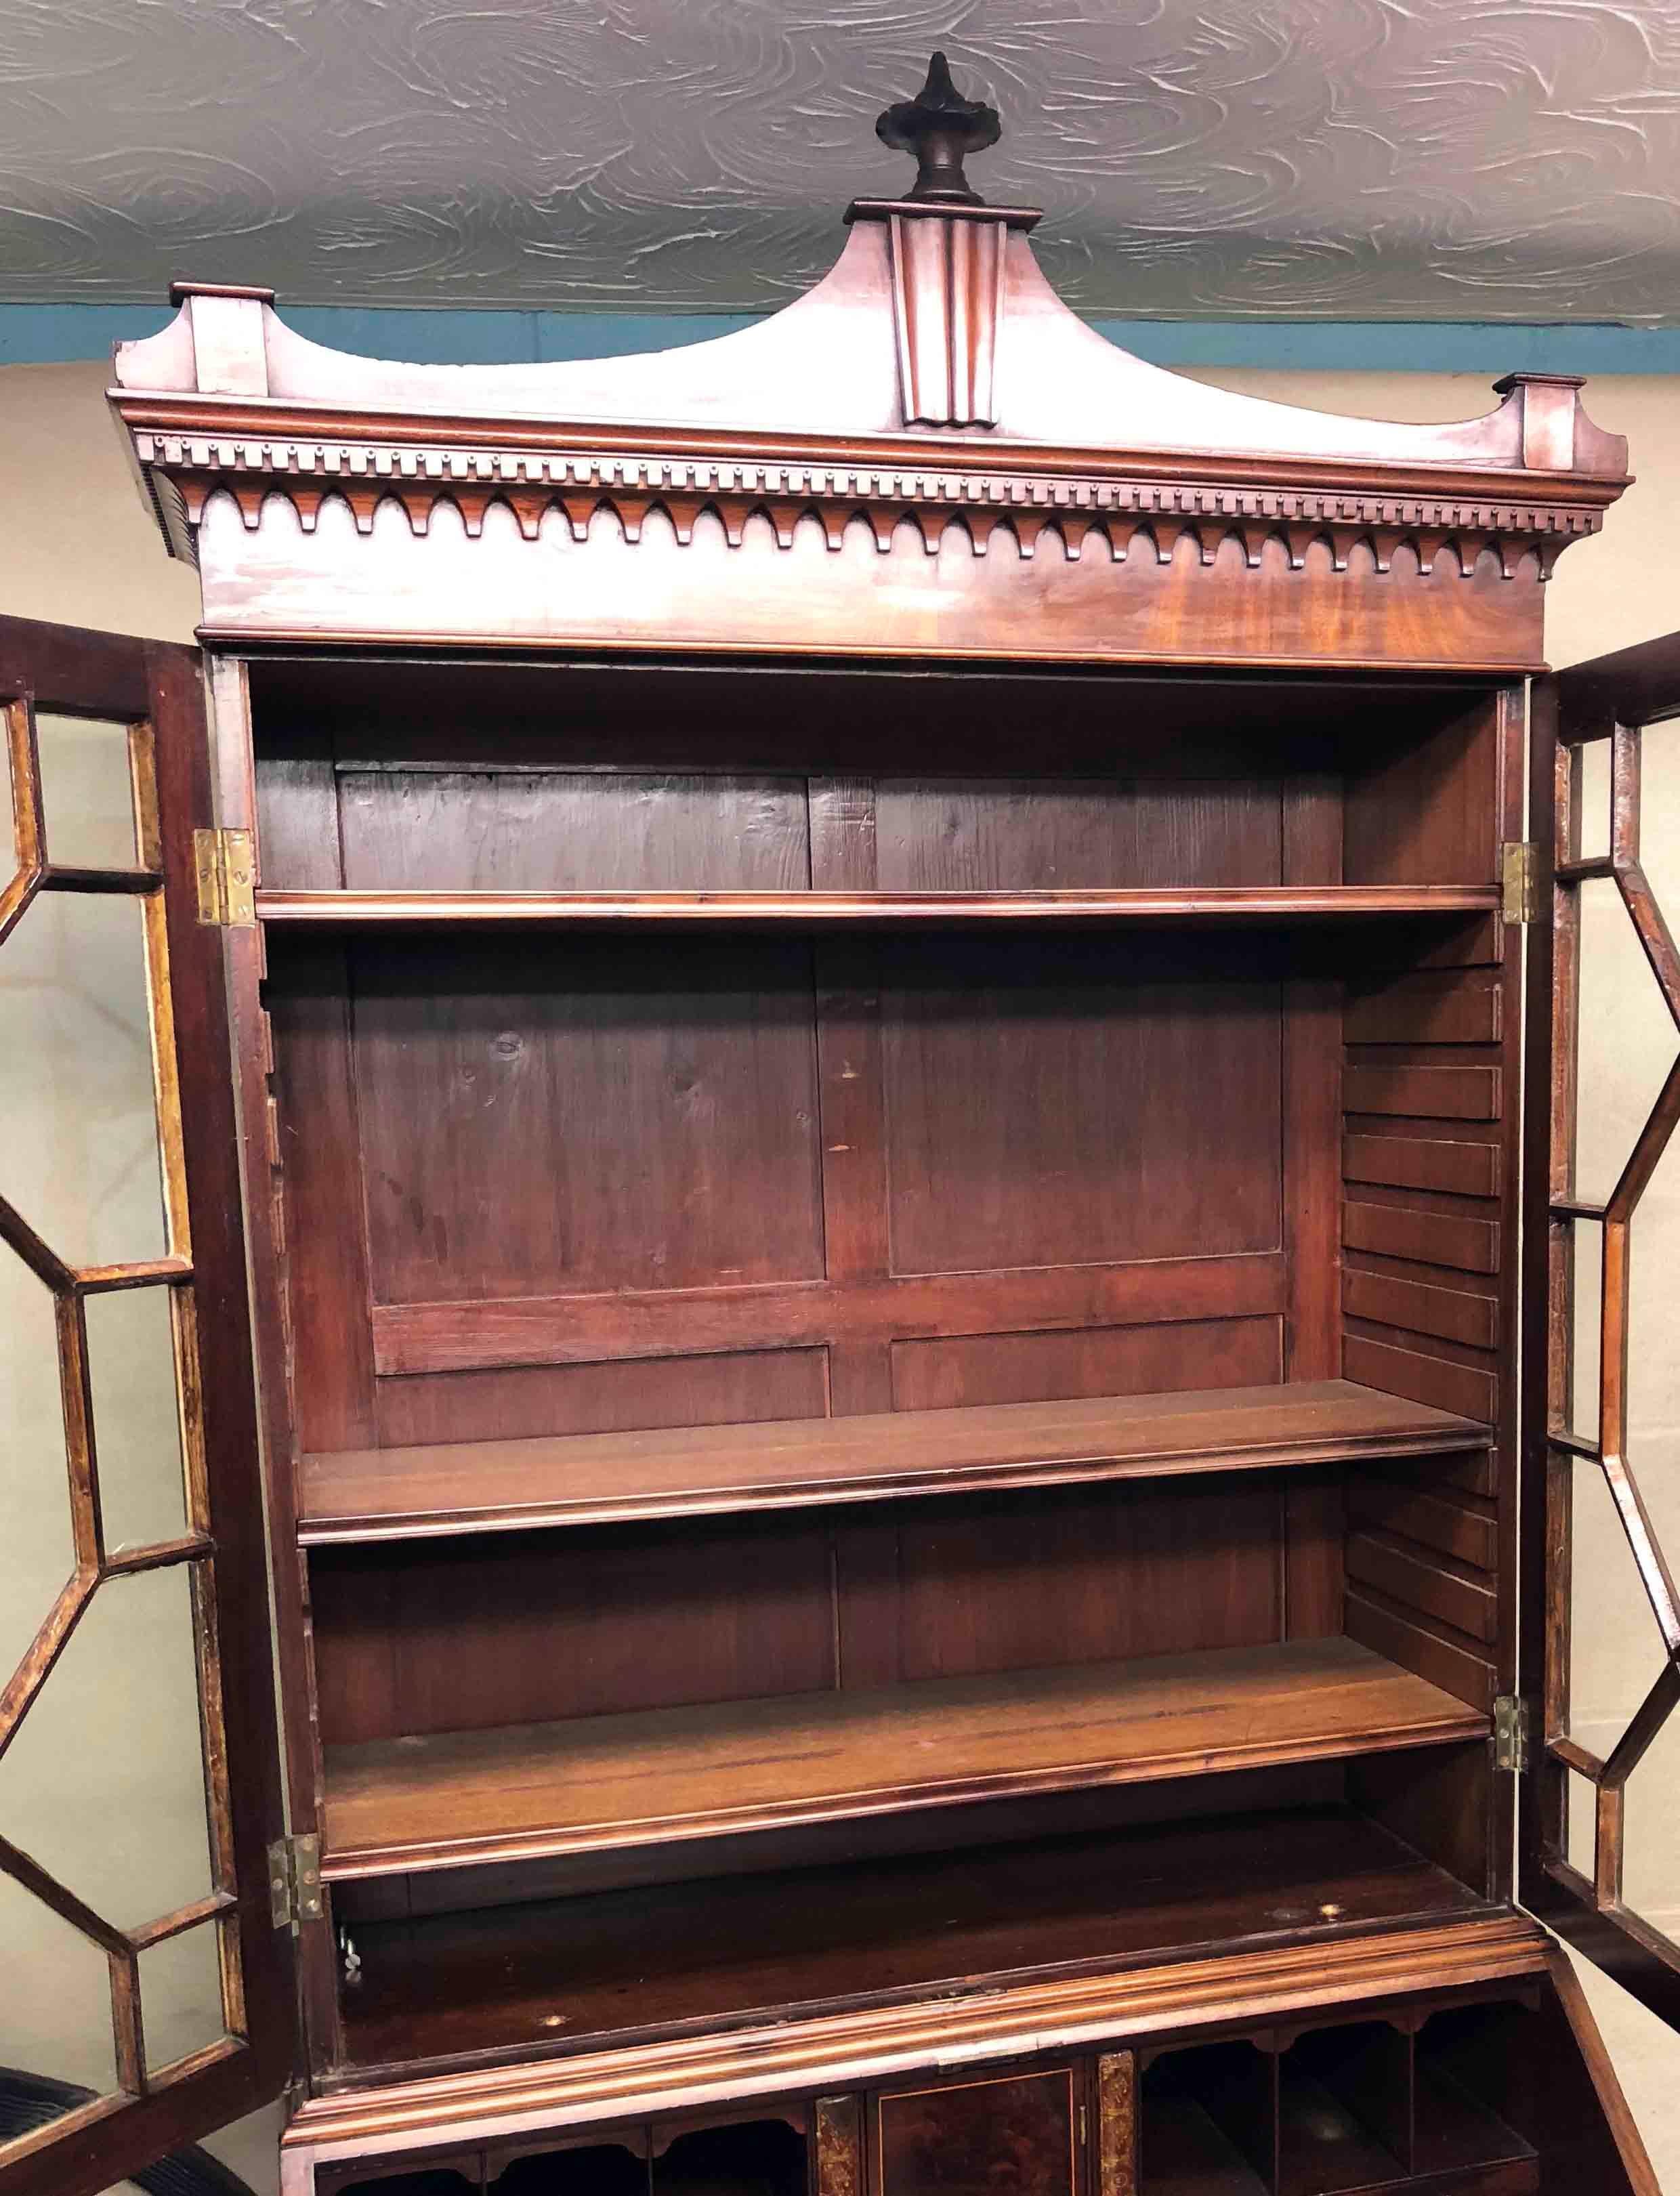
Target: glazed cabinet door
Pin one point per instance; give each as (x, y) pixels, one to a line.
(146, 1994)
(1601, 1280)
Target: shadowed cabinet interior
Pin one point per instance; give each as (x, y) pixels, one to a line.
(881, 985)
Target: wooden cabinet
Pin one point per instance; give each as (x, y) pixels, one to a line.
(859, 1001)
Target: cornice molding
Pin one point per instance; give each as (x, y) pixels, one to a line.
(1049, 505)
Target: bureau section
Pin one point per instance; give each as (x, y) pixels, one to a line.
(1485, 2089)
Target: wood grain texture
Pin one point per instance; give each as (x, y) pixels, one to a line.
(941, 1372)
(1036, 1096)
(1247, 905)
(645, 1323)
(438, 1635)
(505, 831)
(946, 2141)
(969, 836)
(1424, 1163)
(594, 1478)
(452, 1986)
(834, 2048)
(603, 1781)
(644, 1101)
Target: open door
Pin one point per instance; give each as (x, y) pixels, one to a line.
(145, 1993)
(1601, 1642)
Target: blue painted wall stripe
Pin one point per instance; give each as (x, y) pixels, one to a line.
(37, 334)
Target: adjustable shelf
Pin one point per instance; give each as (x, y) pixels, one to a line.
(595, 1783)
(592, 1479)
(1204, 904)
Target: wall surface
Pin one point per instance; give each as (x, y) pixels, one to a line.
(76, 544)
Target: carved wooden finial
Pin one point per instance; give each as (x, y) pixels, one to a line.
(941, 128)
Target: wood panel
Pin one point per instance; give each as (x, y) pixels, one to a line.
(298, 822)
(1422, 1309)
(317, 1146)
(1458, 1596)
(562, 1329)
(948, 1591)
(605, 1780)
(1467, 1169)
(1007, 835)
(1311, 1101)
(936, 1372)
(1044, 1107)
(452, 1635)
(1441, 1094)
(1427, 1222)
(1428, 1508)
(518, 1402)
(1459, 1665)
(667, 1118)
(1430, 1009)
(475, 1484)
(1471, 1390)
(1424, 808)
(663, 596)
(948, 2140)
(599, 831)
(1464, 1242)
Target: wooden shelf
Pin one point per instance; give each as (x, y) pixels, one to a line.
(589, 1479)
(1207, 904)
(615, 1965)
(595, 1783)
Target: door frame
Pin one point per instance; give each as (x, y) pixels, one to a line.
(1613, 696)
(124, 677)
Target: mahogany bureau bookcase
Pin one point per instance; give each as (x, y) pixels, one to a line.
(841, 1021)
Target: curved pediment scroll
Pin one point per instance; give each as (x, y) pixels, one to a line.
(934, 374)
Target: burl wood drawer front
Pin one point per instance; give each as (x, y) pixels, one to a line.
(1012, 2136)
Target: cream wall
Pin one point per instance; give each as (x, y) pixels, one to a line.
(76, 544)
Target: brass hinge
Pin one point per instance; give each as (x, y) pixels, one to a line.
(1510, 1733)
(1520, 875)
(226, 862)
(294, 1881)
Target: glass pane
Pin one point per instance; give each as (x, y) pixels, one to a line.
(1581, 1822)
(1592, 805)
(1651, 1834)
(1660, 815)
(181, 1996)
(87, 794)
(37, 1551)
(55, 2008)
(1578, 1412)
(1627, 1040)
(1615, 1651)
(104, 1784)
(142, 1490)
(1653, 1362)
(8, 864)
(81, 1158)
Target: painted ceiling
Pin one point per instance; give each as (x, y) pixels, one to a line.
(1452, 159)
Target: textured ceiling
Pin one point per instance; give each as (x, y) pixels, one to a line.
(1469, 159)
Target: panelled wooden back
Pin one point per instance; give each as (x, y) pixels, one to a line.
(548, 1182)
